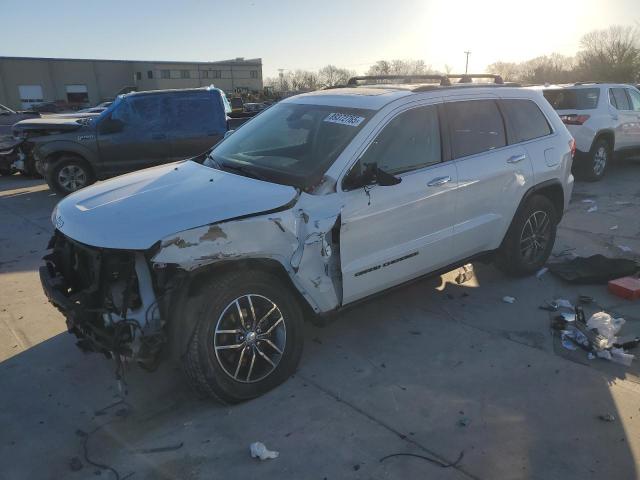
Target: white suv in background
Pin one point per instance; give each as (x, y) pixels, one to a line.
(320, 201)
(604, 118)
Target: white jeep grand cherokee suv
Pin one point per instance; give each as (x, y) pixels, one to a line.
(318, 202)
(604, 118)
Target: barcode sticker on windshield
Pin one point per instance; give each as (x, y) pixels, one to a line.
(344, 119)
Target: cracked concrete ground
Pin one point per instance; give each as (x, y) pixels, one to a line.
(433, 369)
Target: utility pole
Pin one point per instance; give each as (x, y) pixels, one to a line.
(466, 65)
(281, 77)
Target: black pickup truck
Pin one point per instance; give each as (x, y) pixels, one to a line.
(138, 130)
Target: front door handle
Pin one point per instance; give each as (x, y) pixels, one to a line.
(516, 158)
(439, 181)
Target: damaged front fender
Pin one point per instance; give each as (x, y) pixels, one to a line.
(304, 240)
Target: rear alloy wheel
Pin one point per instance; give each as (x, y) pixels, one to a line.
(530, 238)
(595, 166)
(248, 336)
(68, 175)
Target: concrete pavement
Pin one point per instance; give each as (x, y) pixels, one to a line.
(433, 369)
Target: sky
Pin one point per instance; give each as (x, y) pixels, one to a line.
(289, 34)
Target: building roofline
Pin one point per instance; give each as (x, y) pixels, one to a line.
(235, 61)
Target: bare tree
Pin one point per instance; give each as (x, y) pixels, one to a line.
(610, 55)
(331, 76)
(400, 67)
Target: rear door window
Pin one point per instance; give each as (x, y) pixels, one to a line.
(525, 120)
(408, 142)
(194, 113)
(476, 126)
(620, 96)
(143, 113)
(572, 98)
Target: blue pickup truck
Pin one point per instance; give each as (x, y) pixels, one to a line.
(139, 130)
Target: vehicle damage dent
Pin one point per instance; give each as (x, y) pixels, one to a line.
(301, 239)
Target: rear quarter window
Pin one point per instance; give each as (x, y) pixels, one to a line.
(525, 121)
(572, 98)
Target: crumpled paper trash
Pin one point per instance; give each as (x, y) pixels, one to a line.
(259, 450)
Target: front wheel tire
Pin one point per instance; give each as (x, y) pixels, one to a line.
(248, 336)
(529, 241)
(69, 174)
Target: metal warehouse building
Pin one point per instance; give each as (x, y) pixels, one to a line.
(26, 81)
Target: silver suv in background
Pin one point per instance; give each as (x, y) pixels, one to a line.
(604, 119)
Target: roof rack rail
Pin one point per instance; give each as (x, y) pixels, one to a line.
(468, 77)
(376, 79)
(588, 83)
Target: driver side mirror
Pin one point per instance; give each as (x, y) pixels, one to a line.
(369, 175)
(110, 125)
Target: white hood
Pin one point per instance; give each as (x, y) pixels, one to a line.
(134, 211)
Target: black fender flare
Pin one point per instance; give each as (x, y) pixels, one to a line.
(48, 152)
(552, 189)
(609, 134)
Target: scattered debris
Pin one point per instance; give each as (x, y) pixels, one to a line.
(606, 325)
(592, 209)
(607, 417)
(259, 450)
(588, 200)
(563, 303)
(565, 252)
(541, 272)
(167, 448)
(435, 461)
(585, 299)
(596, 269)
(618, 355)
(614, 227)
(625, 287)
(464, 421)
(625, 248)
(508, 299)
(622, 203)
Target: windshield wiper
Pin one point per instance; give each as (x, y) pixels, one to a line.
(243, 169)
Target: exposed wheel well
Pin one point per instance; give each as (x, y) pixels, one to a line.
(605, 135)
(56, 156)
(201, 278)
(554, 193)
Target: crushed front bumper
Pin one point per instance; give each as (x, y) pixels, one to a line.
(106, 296)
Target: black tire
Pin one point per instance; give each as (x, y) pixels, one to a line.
(83, 175)
(594, 166)
(6, 172)
(210, 367)
(514, 257)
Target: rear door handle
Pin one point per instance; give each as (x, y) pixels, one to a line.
(516, 158)
(159, 136)
(439, 181)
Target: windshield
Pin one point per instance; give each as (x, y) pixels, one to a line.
(573, 98)
(290, 143)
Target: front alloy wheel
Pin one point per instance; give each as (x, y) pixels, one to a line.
(72, 177)
(250, 338)
(600, 160)
(247, 336)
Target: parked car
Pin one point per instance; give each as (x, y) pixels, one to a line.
(321, 201)
(138, 130)
(604, 119)
(8, 117)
